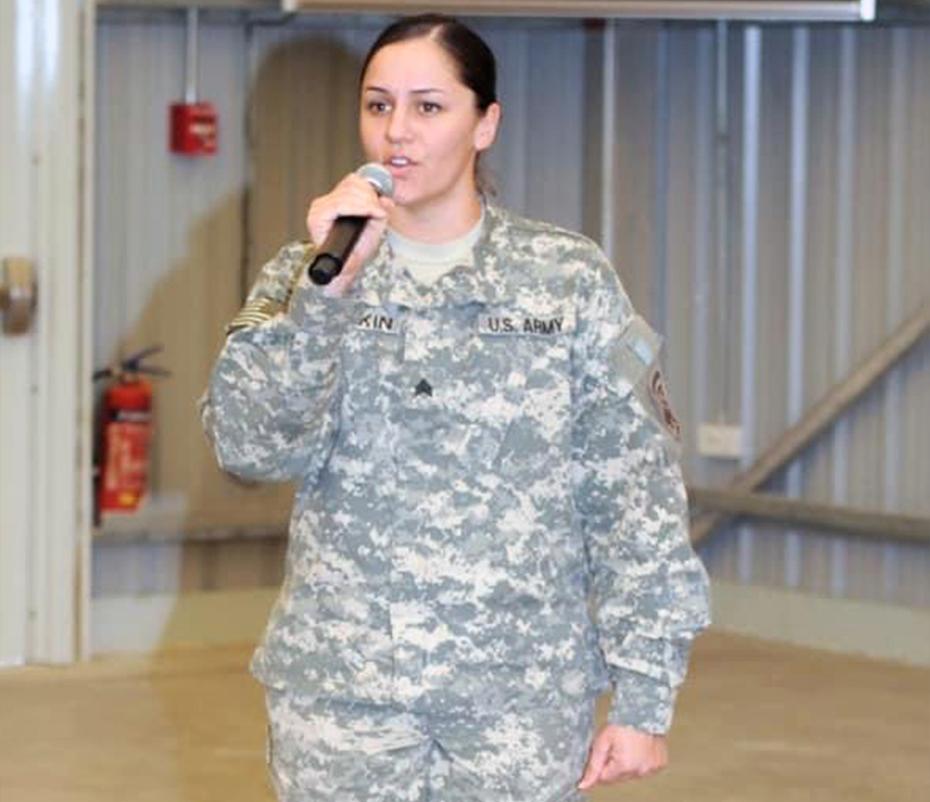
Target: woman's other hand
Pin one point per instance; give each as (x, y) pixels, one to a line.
(352, 196)
(622, 753)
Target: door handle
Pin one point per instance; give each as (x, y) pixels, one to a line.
(18, 294)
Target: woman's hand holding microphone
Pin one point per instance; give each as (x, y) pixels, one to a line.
(364, 194)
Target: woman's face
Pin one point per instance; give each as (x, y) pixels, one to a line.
(421, 122)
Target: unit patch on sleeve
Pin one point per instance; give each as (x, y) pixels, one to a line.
(658, 392)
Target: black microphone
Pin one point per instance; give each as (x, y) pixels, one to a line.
(332, 254)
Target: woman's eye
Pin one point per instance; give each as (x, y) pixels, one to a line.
(428, 107)
(376, 106)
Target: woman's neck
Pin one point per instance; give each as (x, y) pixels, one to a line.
(438, 222)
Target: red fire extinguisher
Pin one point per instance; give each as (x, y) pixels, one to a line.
(122, 464)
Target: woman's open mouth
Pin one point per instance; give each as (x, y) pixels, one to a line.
(398, 165)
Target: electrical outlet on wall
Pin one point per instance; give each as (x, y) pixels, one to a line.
(720, 440)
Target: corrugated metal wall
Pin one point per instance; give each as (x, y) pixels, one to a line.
(820, 253)
(169, 244)
(829, 168)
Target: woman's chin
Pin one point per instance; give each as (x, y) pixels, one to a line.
(408, 201)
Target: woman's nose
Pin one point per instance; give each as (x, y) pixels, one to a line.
(398, 127)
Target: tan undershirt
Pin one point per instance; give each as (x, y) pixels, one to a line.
(429, 261)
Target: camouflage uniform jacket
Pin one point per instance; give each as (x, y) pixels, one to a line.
(489, 510)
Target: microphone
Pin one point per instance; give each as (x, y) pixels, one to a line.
(332, 254)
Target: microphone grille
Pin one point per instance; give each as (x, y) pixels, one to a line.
(378, 176)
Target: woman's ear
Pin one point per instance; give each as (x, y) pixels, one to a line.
(486, 131)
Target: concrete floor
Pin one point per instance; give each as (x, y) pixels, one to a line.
(757, 722)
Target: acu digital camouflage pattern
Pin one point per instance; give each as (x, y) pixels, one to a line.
(476, 458)
(332, 750)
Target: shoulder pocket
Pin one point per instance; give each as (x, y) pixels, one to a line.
(636, 369)
(634, 353)
(370, 364)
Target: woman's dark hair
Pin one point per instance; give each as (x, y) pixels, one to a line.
(473, 59)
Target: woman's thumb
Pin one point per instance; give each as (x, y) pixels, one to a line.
(596, 761)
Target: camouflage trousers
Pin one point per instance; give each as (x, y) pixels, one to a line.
(327, 750)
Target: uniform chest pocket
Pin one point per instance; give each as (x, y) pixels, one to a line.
(520, 358)
(369, 362)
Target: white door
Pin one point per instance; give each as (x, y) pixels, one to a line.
(45, 50)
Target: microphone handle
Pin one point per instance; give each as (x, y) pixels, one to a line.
(332, 255)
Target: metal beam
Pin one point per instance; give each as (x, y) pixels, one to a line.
(822, 415)
(652, 9)
(799, 512)
(913, 11)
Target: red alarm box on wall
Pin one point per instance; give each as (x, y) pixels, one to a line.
(193, 128)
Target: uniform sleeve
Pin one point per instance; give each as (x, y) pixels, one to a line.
(649, 590)
(270, 409)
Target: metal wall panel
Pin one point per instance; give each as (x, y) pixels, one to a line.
(828, 168)
(169, 249)
(539, 159)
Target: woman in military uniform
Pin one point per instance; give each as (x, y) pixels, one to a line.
(490, 525)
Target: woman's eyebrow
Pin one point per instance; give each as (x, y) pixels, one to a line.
(424, 91)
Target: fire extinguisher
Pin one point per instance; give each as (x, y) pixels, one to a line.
(122, 461)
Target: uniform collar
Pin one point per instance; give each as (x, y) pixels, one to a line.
(384, 281)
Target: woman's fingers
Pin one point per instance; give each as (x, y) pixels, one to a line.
(622, 753)
(622, 768)
(353, 196)
(367, 244)
(596, 761)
